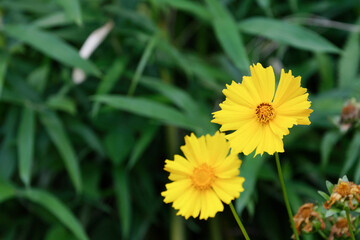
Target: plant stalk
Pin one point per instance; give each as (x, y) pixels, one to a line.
(241, 226)
(349, 223)
(285, 196)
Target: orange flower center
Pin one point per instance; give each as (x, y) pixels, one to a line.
(264, 112)
(203, 177)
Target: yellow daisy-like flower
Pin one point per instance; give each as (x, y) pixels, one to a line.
(259, 116)
(206, 176)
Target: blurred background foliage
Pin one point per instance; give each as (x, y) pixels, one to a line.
(84, 161)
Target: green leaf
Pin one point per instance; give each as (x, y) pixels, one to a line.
(109, 80)
(142, 64)
(7, 147)
(87, 134)
(326, 71)
(332, 211)
(173, 54)
(208, 74)
(288, 33)
(344, 178)
(56, 208)
(327, 145)
(72, 10)
(191, 7)
(38, 78)
(59, 102)
(3, 67)
(52, 20)
(123, 200)
(26, 137)
(141, 144)
(351, 153)
(228, 35)
(324, 195)
(249, 170)
(181, 98)
(58, 232)
(357, 172)
(329, 186)
(118, 144)
(147, 108)
(7, 191)
(349, 60)
(51, 46)
(58, 135)
(184, 101)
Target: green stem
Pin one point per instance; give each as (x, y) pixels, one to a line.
(322, 234)
(349, 223)
(285, 196)
(241, 226)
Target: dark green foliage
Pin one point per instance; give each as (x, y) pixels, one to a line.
(85, 161)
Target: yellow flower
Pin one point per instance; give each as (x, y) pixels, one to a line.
(206, 176)
(259, 116)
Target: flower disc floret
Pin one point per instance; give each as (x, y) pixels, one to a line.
(260, 115)
(264, 113)
(207, 176)
(203, 177)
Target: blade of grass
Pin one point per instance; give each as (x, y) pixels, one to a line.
(349, 60)
(7, 191)
(107, 83)
(142, 64)
(3, 67)
(357, 171)
(284, 32)
(50, 45)
(194, 8)
(141, 144)
(147, 108)
(327, 144)
(56, 208)
(72, 10)
(181, 98)
(58, 135)
(249, 171)
(228, 35)
(123, 199)
(26, 137)
(351, 154)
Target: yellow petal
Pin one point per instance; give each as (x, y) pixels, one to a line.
(228, 189)
(238, 94)
(270, 142)
(210, 204)
(242, 140)
(217, 147)
(264, 82)
(175, 189)
(180, 166)
(229, 167)
(194, 149)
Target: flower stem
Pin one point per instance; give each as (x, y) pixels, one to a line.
(349, 223)
(285, 196)
(241, 226)
(322, 234)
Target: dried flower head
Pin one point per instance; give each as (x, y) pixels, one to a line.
(339, 229)
(304, 218)
(344, 191)
(350, 115)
